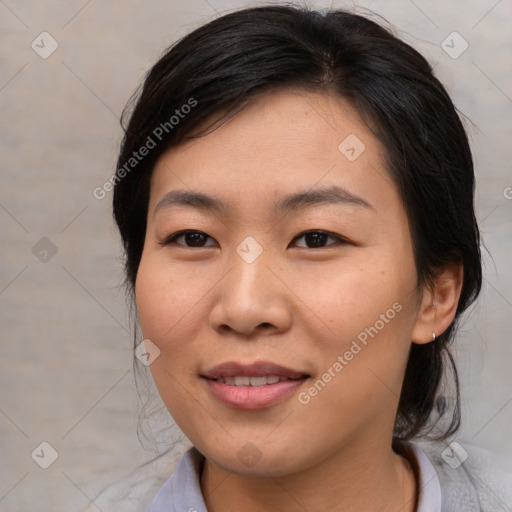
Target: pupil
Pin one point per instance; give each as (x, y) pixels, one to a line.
(194, 239)
(315, 239)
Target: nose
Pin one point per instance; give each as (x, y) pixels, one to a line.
(251, 300)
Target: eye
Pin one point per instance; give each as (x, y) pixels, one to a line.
(197, 239)
(318, 239)
(190, 237)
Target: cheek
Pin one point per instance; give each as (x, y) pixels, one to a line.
(366, 313)
(170, 306)
(166, 297)
(370, 315)
(166, 314)
(346, 297)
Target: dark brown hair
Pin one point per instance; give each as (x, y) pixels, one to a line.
(222, 65)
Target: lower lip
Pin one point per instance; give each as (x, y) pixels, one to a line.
(253, 397)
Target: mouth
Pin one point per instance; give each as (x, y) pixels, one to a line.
(241, 380)
(253, 386)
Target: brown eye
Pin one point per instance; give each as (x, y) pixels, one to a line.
(318, 239)
(189, 239)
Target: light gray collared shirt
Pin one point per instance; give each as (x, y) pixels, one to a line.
(182, 491)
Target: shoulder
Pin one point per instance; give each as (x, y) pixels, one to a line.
(182, 491)
(135, 491)
(471, 478)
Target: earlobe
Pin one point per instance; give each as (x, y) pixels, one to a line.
(439, 304)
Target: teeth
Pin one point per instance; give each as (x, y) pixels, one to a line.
(258, 381)
(251, 381)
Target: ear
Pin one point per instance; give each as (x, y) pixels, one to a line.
(438, 304)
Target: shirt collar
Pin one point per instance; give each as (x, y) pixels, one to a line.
(429, 499)
(182, 491)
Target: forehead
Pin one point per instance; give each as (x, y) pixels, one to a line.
(281, 142)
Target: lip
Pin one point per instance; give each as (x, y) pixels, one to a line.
(256, 369)
(252, 397)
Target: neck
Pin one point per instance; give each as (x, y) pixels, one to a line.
(374, 480)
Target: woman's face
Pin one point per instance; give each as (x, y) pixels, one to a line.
(247, 288)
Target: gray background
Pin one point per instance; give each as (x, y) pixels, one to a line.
(66, 361)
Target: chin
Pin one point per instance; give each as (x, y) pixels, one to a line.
(251, 461)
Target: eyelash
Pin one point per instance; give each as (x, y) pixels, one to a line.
(171, 239)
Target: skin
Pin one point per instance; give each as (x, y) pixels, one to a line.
(297, 305)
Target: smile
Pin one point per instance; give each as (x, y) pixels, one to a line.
(243, 380)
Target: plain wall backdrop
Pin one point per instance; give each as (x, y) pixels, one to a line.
(66, 373)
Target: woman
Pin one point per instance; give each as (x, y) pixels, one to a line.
(295, 197)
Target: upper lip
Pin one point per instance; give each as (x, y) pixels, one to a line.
(256, 369)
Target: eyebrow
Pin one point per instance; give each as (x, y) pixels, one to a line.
(293, 202)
